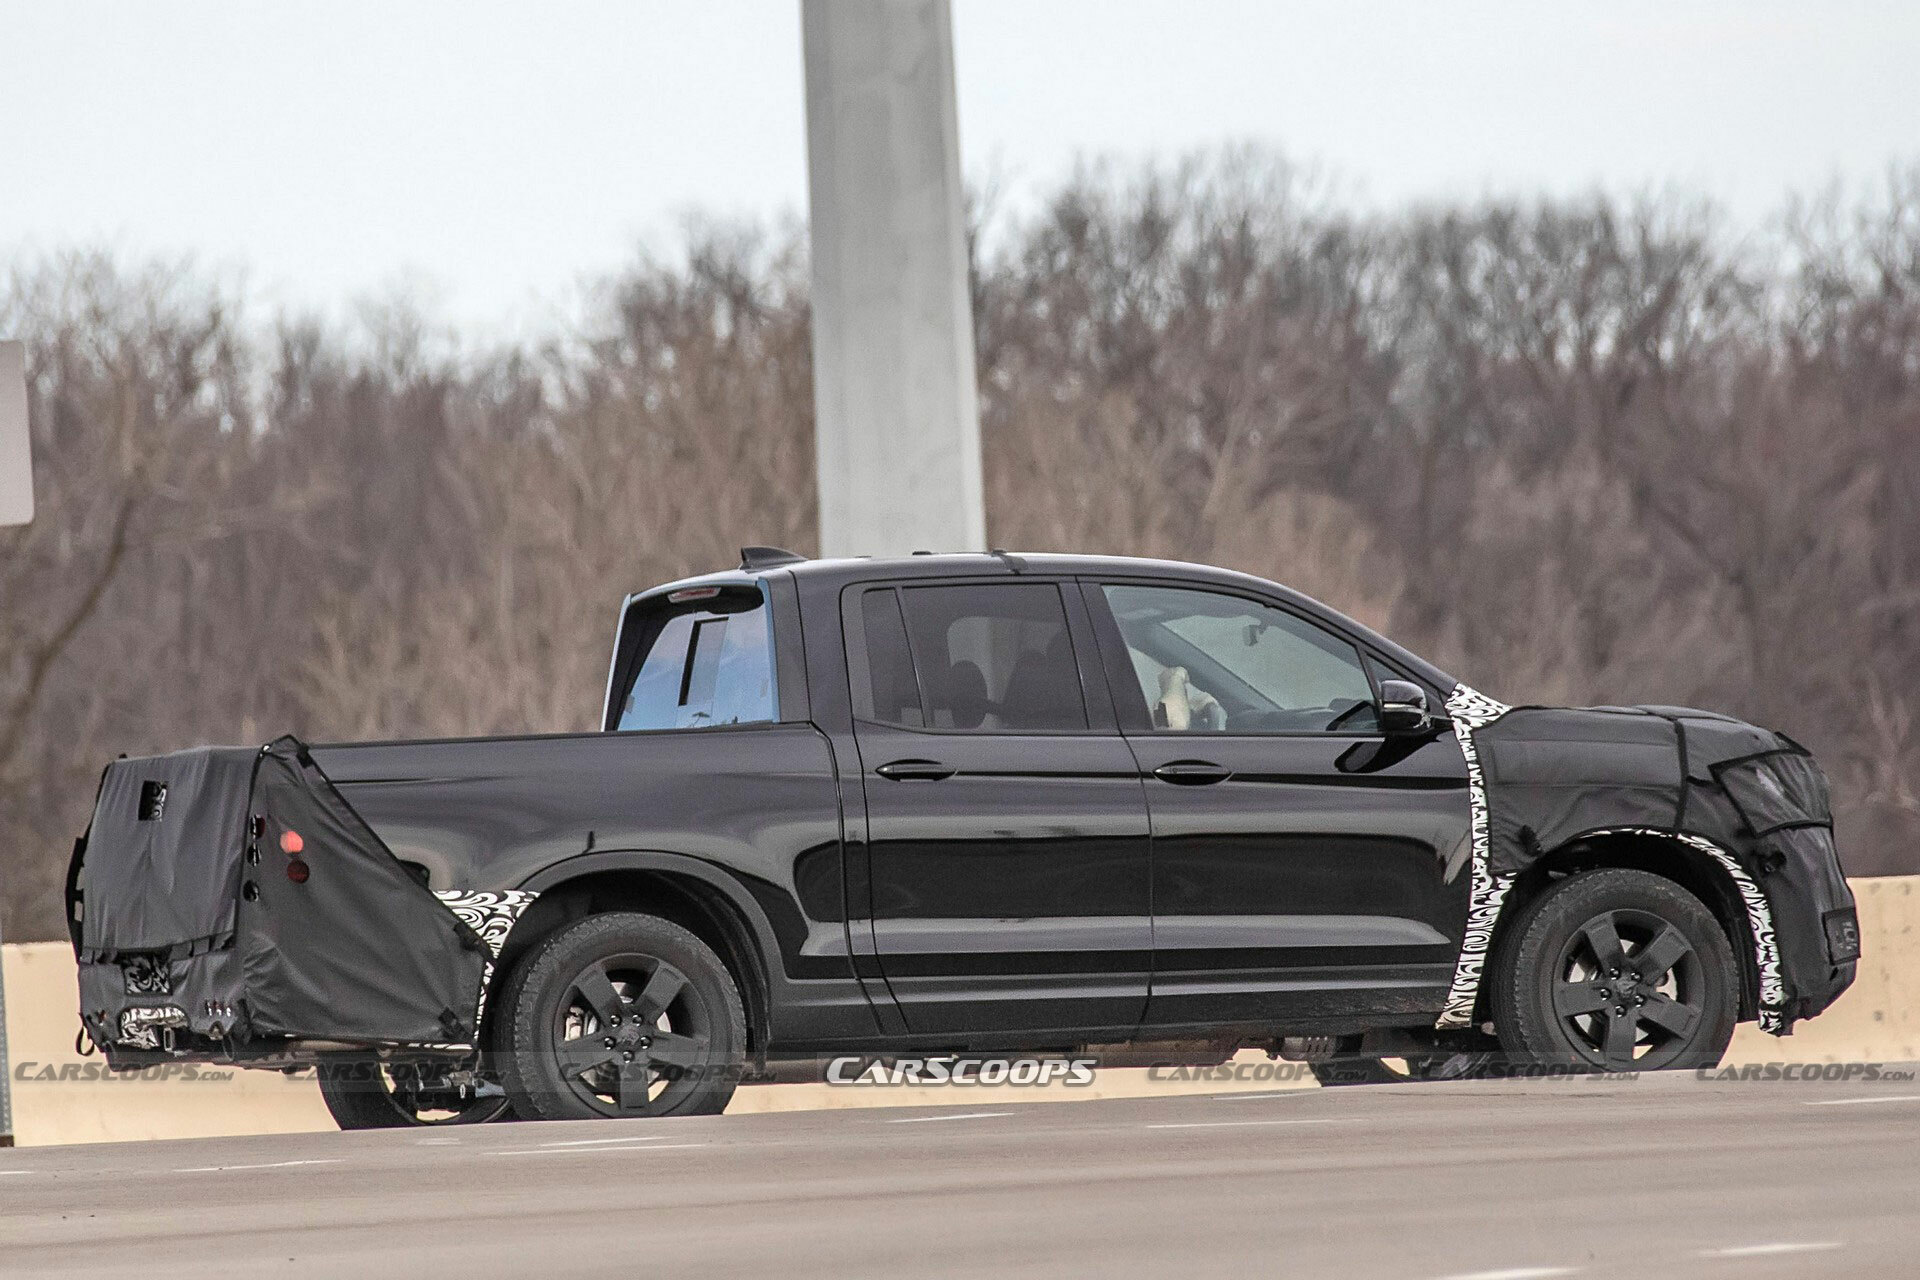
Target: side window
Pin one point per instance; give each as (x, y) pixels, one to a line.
(710, 664)
(1211, 662)
(992, 658)
(896, 697)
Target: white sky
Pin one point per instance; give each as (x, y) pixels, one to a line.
(494, 154)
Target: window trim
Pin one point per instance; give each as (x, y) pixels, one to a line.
(1081, 637)
(1123, 685)
(628, 659)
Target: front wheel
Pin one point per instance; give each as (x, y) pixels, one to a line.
(364, 1091)
(622, 1015)
(1617, 970)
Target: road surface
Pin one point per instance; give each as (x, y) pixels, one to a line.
(1661, 1176)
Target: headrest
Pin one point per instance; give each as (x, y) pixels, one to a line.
(966, 695)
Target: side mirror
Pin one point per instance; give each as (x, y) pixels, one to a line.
(1403, 707)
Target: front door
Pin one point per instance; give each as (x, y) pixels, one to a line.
(1007, 848)
(1305, 866)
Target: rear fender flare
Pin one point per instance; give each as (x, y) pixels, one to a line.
(761, 943)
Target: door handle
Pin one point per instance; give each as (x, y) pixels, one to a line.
(1192, 773)
(915, 770)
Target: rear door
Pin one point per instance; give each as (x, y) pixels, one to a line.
(1007, 830)
(1304, 865)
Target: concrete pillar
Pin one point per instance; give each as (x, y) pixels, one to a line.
(16, 460)
(895, 406)
(16, 507)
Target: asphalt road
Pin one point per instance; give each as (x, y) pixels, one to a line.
(1654, 1177)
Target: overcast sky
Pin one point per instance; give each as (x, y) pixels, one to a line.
(495, 154)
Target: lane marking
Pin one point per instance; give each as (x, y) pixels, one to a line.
(1241, 1124)
(592, 1151)
(1856, 1102)
(230, 1168)
(964, 1115)
(1770, 1250)
(14, 1173)
(607, 1142)
(1255, 1097)
(1514, 1273)
(436, 1142)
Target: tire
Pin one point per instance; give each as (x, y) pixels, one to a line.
(1425, 1069)
(621, 1014)
(1616, 970)
(364, 1092)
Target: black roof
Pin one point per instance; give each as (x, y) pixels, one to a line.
(826, 572)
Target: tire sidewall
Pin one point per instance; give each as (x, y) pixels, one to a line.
(1532, 1033)
(530, 1006)
(358, 1097)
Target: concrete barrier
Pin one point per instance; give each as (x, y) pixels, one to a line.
(60, 1096)
(1875, 1020)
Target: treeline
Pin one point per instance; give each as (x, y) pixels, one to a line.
(1585, 451)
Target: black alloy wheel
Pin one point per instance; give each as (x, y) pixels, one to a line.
(622, 1015)
(1617, 970)
(365, 1091)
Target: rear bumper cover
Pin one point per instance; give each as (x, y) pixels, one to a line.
(228, 901)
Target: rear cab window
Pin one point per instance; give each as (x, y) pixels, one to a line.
(700, 657)
(970, 658)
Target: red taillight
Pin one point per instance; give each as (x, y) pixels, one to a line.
(693, 593)
(291, 843)
(297, 871)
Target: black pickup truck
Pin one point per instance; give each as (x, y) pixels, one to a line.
(963, 803)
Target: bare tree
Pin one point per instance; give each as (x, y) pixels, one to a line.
(1575, 450)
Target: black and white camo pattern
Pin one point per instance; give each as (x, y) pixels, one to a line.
(145, 976)
(1471, 711)
(491, 914)
(140, 1026)
(1766, 950)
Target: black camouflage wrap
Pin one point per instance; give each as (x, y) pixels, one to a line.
(1753, 803)
(192, 937)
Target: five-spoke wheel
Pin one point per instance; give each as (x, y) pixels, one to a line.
(366, 1091)
(621, 1015)
(1617, 970)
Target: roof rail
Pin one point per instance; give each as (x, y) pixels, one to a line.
(754, 559)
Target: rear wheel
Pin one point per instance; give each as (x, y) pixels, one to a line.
(622, 1015)
(363, 1091)
(1617, 970)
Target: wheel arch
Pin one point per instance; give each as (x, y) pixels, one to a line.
(1665, 854)
(687, 891)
